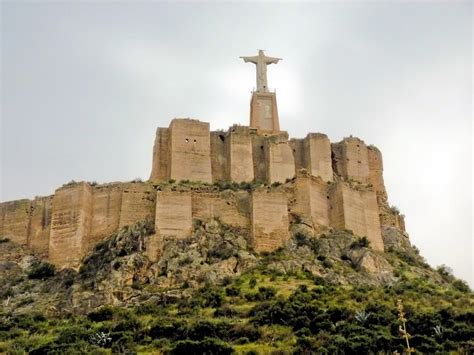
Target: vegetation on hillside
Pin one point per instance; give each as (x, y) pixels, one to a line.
(327, 293)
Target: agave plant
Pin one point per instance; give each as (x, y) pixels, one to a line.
(362, 316)
(100, 338)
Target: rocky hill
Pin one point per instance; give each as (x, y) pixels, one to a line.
(321, 292)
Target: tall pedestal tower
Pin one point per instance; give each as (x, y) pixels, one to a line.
(263, 106)
(264, 112)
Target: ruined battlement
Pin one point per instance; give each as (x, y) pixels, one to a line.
(323, 186)
(328, 185)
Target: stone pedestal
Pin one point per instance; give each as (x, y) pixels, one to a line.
(264, 112)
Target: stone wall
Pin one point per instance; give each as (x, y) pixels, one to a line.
(137, 203)
(14, 220)
(280, 159)
(318, 156)
(190, 150)
(229, 207)
(311, 200)
(240, 159)
(259, 158)
(270, 223)
(70, 224)
(40, 225)
(219, 156)
(356, 210)
(161, 155)
(376, 171)
(350, 159)
(106, 207)
(173, 214)
(298, 147)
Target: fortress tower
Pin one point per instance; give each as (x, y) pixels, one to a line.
(327, 185)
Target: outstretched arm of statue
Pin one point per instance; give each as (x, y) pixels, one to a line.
(271, 60)
(250, 59)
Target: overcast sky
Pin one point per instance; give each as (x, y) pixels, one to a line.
(84, 86)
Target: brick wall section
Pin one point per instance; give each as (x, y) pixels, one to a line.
(15, 218)
(40, 225)
(318, 156)
(219, 155)
(70, 224)
(138, 203)
(173, 214)
(269, 220)
(190, 150)
(351, 159)
(161, 154)
(106, 206)
(376, 171)
(230, 207)
(240, 158)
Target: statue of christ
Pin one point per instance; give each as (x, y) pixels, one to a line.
(261, 61)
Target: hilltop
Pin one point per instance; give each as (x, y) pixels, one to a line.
(320, 291)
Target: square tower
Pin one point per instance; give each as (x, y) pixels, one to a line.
(264, 112)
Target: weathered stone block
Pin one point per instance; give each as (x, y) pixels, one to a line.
(173, 214)
(219, 156)
(15, 219)
(356, 210)
(351, 159)
(269, 220)
(161, 155)
(138, 203)
(318, 156)
(70, 224)
(312, 201)
(240, 154)
(376, 171)
(40, 225)
(106, 206)
(190, 150)
(229, 207)
(280, 159)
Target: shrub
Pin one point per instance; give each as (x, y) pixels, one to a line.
(461, 285)
(207, 346)
(232, 291)
(42, 270)
(210, 297)
(252, 282)
(362, 242)
(102, 314)
(4, 240)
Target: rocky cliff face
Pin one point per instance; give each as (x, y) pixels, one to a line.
(119, 272)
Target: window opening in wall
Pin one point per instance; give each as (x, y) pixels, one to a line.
(187, 140)
(221, 136)
(261, 147)
(195, 141)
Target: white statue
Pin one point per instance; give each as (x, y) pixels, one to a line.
(261, 61)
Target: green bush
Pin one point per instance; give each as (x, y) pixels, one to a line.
(41, 271)
(208, 346)
(362, 242)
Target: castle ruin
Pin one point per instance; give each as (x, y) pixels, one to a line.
(326, 185)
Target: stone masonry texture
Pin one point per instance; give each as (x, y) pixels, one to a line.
(338, 185)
